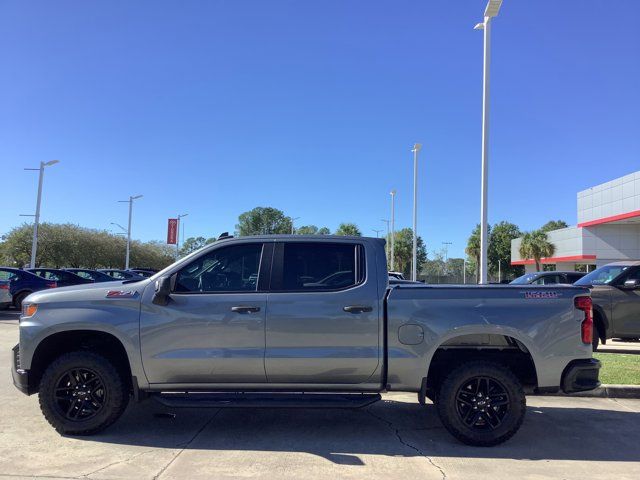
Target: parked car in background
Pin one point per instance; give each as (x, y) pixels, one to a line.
(61, 277)
(23, 283)
(117, 274)
(615, 291)
(548, 278)
(94, 275)
(396, 275)
(5, 294)
(143, 272)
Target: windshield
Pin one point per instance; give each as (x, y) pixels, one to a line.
(524, 279)
(603, 275)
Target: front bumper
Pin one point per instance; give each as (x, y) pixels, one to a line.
(581, 375)
(20, 377)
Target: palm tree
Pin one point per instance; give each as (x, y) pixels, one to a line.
(349, 229)
(536, 245)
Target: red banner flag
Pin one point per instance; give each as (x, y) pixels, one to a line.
(172, 231)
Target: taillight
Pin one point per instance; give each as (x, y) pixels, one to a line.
(52, 285)
(4, 286)
(586, 305)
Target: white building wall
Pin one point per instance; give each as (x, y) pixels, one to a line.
(616, 197)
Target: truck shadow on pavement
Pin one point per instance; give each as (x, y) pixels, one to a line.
(386, 428)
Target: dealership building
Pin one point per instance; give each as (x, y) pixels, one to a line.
(608, 228)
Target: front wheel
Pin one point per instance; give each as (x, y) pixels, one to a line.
(82, 393)
(481, 403)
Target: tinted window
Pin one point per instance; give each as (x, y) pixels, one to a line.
(230, 269)
(524, 279)
(632, 275)
(11, 276)
(83, 274)
(572, 277)
(602, 276)
(318, 266)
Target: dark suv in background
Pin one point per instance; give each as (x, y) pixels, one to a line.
(615, 291)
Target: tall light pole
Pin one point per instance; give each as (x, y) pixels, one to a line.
(293, 230)
(393, 228)
(388, 239)
(464, 271)
(414, 264)
(34, 241)
(377, 232)
(446, 255)
(178, 234)
(492, 9)
(130, 202)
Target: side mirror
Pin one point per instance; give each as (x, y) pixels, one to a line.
(631, 285)
(163, 291)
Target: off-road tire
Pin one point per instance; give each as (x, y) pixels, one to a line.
(115, 393)
(452, 410)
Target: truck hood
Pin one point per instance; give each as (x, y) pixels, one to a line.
(88, 292)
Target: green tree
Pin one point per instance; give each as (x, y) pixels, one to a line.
(192, 244)
(499, 254)
(312, 230)
(536, 245)
(68, 245)
(263, 221)
(554, 225)
(473, 248)
(348, 229)
(403, 251)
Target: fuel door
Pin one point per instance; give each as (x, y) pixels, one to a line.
(410, 334)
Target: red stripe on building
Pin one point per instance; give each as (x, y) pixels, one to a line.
(613, 218)
(573, 258)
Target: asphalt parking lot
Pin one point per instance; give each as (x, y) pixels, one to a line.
(396, 438)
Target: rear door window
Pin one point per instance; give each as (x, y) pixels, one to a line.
(316, 266)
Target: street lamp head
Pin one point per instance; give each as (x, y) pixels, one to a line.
(479, 26)
(493, 7)
(416, 147)
(183, 215)
(136, 197)
(51, 162)
(393, 192)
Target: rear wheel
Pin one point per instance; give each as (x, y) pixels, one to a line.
(82, 393)
(481, 403)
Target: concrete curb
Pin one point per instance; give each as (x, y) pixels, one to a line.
(607, 391)
(618, 350)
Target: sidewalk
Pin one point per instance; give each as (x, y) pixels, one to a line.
(618, 346)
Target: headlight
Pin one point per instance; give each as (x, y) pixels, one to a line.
(29, 310)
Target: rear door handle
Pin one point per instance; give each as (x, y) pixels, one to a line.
(357, 308)
(245, 309)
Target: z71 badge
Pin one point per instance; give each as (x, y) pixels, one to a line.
(541, 295)
(121, 294)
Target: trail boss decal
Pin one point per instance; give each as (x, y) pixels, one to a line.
(541, 295)
(121, 294)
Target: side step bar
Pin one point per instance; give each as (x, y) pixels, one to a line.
(265, 400)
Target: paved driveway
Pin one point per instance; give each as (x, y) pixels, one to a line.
(572, 438)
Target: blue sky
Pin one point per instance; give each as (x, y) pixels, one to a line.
(215, 107)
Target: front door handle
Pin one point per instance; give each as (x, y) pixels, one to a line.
(245, 309)
(357, 309)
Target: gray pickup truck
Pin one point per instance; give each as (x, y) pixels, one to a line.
(301, 321)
